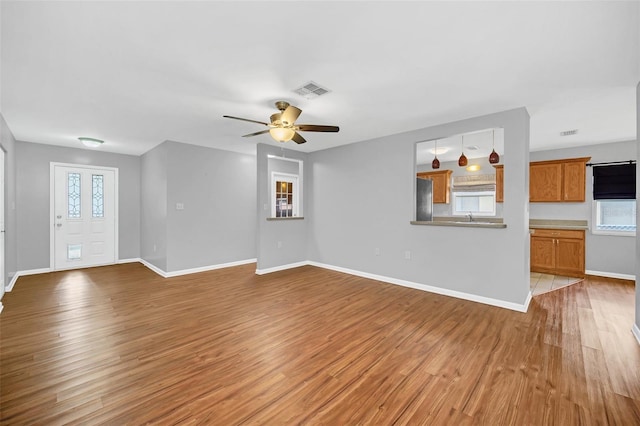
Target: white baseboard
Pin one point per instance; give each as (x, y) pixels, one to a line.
(24, 274)
(437, 290)
(181, 272)
(611, 275)
(636, 332)
(132, 260)
(282, 267)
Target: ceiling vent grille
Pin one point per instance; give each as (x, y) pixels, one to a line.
(311, 90)
(569, 132)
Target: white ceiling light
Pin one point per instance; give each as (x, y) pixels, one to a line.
(439, 151)
(281, 134)
(91, 142)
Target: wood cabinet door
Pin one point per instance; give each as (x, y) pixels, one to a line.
(574, 181)
(570, 257)
(441, 185)
(499, 184)
(543, 255)
(545, 182)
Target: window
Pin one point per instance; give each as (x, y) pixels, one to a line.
(614, 205)
(285, 198)
(97, 195)
(73, 195)
(614, 217)
(479, 203)
(475, 194)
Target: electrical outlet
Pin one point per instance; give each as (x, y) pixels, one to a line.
(407, 255)
(154, 248)
(377, 251)
(179, 206)
(279, 244)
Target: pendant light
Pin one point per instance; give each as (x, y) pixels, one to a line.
(435, 164)
(494, 158)
(462, 161)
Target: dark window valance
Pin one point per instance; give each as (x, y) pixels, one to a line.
(617, 182)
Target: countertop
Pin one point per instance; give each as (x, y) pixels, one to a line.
(493, 222)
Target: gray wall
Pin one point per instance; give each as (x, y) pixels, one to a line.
(363, 199)
(291, 233)
(218, 191)
(153, 208)
(604, 253)
(7, 143)
(32, 198)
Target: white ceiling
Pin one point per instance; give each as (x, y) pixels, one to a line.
(138, 73)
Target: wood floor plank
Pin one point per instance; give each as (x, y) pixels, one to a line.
(120, 345)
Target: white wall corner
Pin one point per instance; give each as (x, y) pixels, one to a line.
(1, 307)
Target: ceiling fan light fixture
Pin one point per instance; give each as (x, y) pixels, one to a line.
(281, 134)
(90, 142)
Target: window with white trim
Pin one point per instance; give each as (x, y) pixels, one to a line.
(614, 205)
(285, 196)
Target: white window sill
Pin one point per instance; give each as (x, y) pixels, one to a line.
(286, 218)
(614, 233)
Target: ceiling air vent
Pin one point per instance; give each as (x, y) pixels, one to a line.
(311, 90)
(569, 132)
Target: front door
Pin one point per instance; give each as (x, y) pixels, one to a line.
(84, 216)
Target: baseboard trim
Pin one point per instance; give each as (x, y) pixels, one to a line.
(181, 272)
(282, 267)
(24, 274)
(437, 290)
(636, 332)
(132, 260)
(612, 275)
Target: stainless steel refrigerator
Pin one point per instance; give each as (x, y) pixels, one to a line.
(424, 199)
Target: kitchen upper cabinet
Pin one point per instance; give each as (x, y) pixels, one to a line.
(558, 251)
(441, 184)
(551, 181)
(558, 180)
(499, 183)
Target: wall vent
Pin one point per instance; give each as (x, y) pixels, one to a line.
(311, 90)
(569, 132)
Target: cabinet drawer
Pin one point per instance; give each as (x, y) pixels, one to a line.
(558, 233)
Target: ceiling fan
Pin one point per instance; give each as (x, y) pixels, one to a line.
(283, 125)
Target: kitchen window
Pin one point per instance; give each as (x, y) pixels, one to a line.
(614, 203)
(614, 217)
(475, 194)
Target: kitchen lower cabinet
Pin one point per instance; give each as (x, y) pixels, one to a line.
(558, 251)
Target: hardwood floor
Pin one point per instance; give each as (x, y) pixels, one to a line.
(120, 345)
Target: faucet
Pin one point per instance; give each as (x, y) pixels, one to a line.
(470, 216)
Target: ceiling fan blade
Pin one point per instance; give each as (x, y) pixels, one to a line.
(290, 115)
(297, 138)
(246, 119)
(317, 128)
(256, 133)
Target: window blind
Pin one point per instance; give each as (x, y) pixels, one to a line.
(614, 182)
(474, 183)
